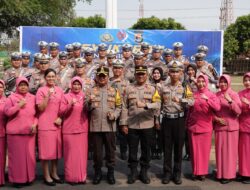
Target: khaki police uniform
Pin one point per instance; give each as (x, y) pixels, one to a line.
(101, 101)
(173, 123)
(140, 122)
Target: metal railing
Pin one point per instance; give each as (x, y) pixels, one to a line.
(237, 66)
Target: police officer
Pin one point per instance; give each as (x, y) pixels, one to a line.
(70, 51)
(105, 106)
(25, 69)
(129, 72)
(111, 56)
(36, 64)
(64, 72)
(77, 47)
(37, 79)
(137, 120)
(119, 83)
(202, 49)
(178, 50)
(12, 73)
(43, 47)
(127, 59)
(155, 60)
(145, 50)
(174, 101)
(54, 51)
(80, 69)
(91, 64)
(167, 55)
(206, 68)
(102, 54)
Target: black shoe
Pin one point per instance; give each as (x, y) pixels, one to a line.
(49, 183)
(124, 156)
(97, 177)
(132, 176)
(177, 179)
(246, 180)
(73, 183)
(111, 177)
(18, 185)
(59, 181)
(144, 176)
(194, 177)
(202, 177)
(166, 178)
(186, 157)
(225, 181)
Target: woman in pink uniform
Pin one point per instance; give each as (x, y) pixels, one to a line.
(200, 127)
(226, 126)
(2, 133)
(21, 129)
(75, 134)
(244, 138)
(48, 100)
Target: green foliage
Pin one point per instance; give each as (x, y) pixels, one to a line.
(156, 23)
(237, 38)
(14, 13)
(96, 21)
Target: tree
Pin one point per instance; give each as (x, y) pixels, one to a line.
(156, 23)
(96, 21)
(237, 38)
(16, 13)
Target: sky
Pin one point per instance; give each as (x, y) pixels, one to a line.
(193, 14)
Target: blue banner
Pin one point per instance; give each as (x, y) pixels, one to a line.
(91, 37)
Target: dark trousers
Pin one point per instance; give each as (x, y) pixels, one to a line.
(121, 138)
(144, 137)
(173, 131)
(156, 146)
(186, 143)
(106, 139)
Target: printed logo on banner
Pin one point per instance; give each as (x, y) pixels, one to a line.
(138, 36)
(122, 35)
(106, 37)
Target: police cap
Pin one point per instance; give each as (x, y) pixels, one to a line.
(26, 55)
(177, 45)
(175, 66)
(141, 69)
(53, 45)
(118, 63)
(102, 70)
(16, 56)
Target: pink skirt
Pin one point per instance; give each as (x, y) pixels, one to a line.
(226, 147)
(75, 152)
(200, 146)
(21, 158)
(2, 159)
(244, 154)
(50, 145)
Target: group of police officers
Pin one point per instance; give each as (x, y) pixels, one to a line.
(139, 106)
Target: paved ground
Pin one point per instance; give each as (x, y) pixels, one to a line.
(155, 174)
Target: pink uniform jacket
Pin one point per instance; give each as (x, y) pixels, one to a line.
(74, 116)
(245, 115)
(229, 112)
(20, 120)
(50, 114)
(201, 113)
(2, 116)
